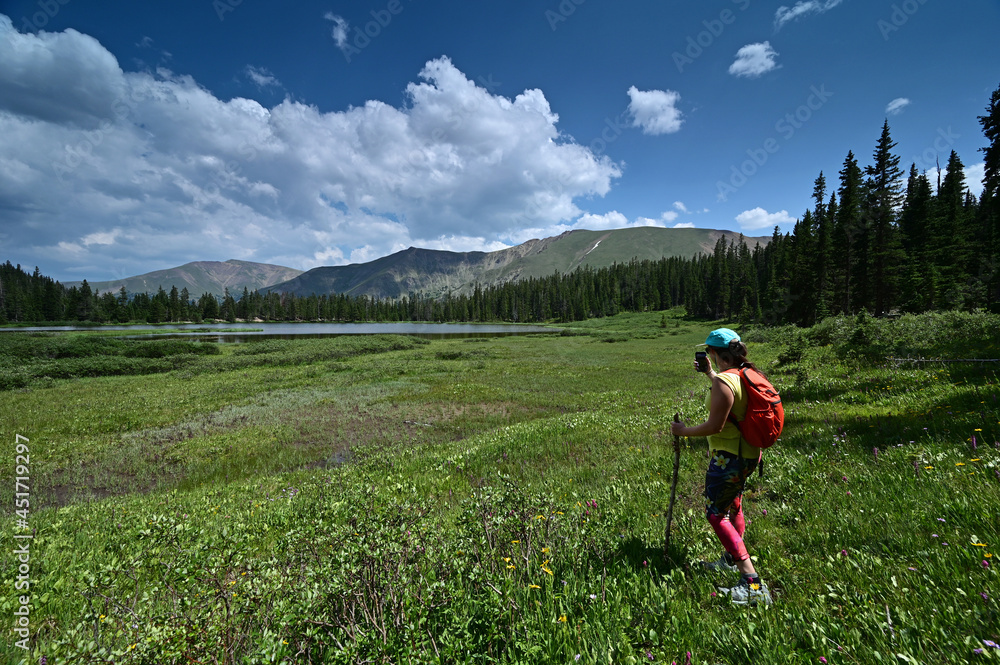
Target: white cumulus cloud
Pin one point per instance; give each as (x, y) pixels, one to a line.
(896, 106)
(754, 60)
(974, 175)
(787, 14)
(616, 220)
(178, 174)
(655, 111)
(605, 222)
(974, 178)
(758, 218)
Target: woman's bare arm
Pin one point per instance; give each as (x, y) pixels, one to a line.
(720, 404)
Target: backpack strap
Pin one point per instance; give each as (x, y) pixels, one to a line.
(739, 372)
(731, 418)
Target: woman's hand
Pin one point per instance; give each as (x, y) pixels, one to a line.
(677, 428)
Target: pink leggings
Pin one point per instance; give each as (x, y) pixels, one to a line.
(729, 527)
(724, 482)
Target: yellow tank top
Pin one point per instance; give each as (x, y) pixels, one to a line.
(729, 438)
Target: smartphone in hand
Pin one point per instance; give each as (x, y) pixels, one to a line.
(701, 358)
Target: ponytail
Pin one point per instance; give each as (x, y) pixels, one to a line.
(735, 355)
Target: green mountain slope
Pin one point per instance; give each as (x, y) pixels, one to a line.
(203, 277)
(436, 273)
(600, 249)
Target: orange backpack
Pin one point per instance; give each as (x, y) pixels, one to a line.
(761, 426)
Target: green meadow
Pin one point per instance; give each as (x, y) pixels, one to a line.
(388, 499)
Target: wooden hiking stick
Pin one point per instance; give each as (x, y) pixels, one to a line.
(673, 490)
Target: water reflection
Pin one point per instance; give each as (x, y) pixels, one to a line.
(242, 332)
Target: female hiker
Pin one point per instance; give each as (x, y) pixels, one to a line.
(731, 461)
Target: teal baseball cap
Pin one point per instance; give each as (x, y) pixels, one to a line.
(720, 338)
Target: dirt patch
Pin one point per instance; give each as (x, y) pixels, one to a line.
(60, 494)
(325, 435)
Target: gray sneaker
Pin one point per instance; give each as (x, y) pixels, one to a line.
(725, 563)
(747, 593)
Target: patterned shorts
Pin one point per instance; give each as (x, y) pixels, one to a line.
(724, 482)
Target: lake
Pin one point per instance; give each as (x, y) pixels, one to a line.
(239, 332)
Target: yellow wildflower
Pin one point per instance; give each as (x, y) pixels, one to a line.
(534, 586)
(562, 618)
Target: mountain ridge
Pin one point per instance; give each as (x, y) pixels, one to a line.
(200, 277)
(433, 273)
(437, 273)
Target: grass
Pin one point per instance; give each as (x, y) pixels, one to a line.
(502, 500)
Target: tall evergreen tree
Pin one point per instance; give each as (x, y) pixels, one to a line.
(822, 260)
(802, 284)
(915, 225)
(885, 195)
(185, 299)
(85, 303)
(952, 235)
(174, 304)
(228, 310)
(848, 233)
(989, 208)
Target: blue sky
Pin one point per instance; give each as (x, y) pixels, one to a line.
(143, 135)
